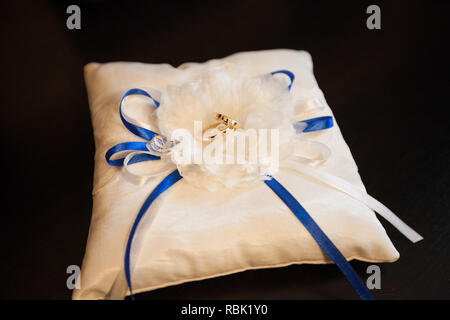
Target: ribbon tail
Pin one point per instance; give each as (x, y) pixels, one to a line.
(165, 184)
(346, 187)
(321, 238)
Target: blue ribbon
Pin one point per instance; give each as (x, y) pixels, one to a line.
(139, 131)
(288, 73)
(129, 146)
(314, 124)
(322, 240)
(167, 182)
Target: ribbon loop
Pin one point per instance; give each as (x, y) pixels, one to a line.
(288, 73)
(310, 152)
(314, 124)
(142, 178)
(131, 124)
(125, 148)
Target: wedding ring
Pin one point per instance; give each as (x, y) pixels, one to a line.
(230, 123)
(225, 125)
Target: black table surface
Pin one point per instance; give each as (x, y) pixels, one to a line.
(388, 89)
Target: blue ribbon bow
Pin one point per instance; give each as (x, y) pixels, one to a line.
(314, 124)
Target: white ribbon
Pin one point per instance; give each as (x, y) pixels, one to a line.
(346, 187)
(310, 152)
(142, 178)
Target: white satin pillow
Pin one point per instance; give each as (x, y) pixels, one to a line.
(198, 234)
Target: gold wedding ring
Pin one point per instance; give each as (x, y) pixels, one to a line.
(226, 124)
(230, 123)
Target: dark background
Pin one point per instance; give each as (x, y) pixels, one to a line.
(388, 88)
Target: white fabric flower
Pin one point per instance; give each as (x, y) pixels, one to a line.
(262, 102)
